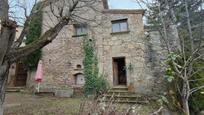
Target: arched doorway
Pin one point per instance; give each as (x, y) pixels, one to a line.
(79, 79)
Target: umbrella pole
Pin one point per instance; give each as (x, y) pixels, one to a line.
(38, 88)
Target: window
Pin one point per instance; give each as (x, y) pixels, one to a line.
(119, 25)
(80, 29)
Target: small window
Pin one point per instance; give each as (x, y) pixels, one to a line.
(80, 29)
(119, 25)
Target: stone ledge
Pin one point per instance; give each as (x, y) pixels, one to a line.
(64, 93)
(122, 32)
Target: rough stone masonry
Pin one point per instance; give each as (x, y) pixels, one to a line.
(120, 43)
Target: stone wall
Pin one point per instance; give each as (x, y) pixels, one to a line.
(61, 57)
(137, 50)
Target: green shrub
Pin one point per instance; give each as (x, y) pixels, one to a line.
(101, 85)
(94, 84)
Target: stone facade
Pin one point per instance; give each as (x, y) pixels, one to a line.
(63, 58)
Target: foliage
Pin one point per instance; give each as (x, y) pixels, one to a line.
(173, 82)
(34, 33)
(94, 84)
(169, 71)
(196, 21)
(196, 102)
(130, 68)
(162, 99)
(197, 99)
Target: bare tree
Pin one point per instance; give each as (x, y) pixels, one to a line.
(181, 57)
(10, 50)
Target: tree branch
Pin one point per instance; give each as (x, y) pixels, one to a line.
(195, 89)
(34, 13)
(46, 38)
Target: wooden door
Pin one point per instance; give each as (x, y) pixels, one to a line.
(21, 75)
(119, 71)
(115, 72)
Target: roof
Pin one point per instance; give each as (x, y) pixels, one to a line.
(124, 11)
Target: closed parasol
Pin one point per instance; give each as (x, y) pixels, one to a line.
(39, 74)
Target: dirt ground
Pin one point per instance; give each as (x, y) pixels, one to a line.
(27, 104)
(30, 104)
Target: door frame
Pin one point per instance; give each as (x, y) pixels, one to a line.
(16, 75)
(115, 81)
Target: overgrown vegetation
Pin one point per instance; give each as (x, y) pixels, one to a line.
(95, 84)
(180, 24)
(34, 33)
(173, 83)
(196, 100)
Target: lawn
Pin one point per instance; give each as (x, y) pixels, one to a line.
(27, 104)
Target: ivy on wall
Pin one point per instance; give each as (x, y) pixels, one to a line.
(94, 84)
(34, 32)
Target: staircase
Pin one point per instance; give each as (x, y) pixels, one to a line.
(120, 94)
(15, 89)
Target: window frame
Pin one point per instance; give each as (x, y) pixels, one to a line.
(81, 27)
(119, 22)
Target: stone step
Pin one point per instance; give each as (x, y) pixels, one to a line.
(131, 98)
(129, 101)
(44, 93)
(14, 89)
(120, 88)
(117, 91)
(120, 94)
(124, 96)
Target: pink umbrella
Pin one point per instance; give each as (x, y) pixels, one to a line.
(39, 74)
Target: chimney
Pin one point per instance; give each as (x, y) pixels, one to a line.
(105, 4)
(1, 10)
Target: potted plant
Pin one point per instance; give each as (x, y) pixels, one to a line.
(130, 68)
(131, 87)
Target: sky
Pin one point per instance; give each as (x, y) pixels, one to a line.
(113, 4)
(124, 4)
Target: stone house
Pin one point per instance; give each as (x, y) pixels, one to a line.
(120, 43)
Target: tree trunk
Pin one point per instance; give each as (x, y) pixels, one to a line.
(185, 106)
(9, 55)
(4, 70)
(185, 96)
(1, 109)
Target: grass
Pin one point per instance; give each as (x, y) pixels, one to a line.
(26, 104)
